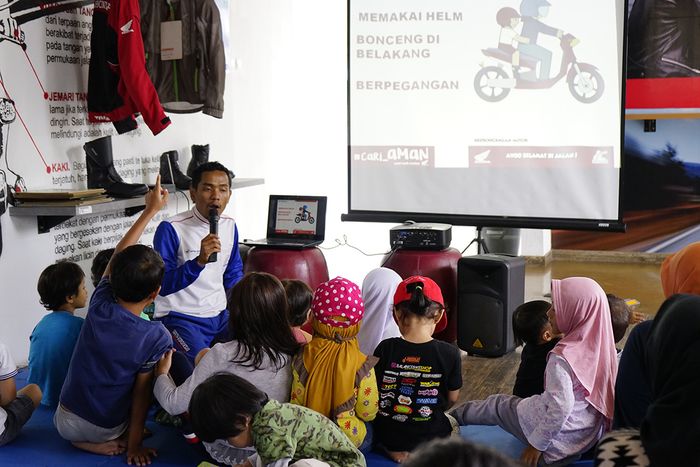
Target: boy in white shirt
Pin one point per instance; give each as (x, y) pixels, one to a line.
(16, 406)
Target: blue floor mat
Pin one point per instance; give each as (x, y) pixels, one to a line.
(492, 436)
(39, 444)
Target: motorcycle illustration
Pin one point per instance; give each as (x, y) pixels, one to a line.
(304, 215)
(494, 82)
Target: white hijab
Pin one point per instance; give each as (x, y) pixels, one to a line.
(378, 324)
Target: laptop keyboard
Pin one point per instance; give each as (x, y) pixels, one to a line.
(282, 241)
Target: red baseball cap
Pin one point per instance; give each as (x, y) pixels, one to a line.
(430, 289)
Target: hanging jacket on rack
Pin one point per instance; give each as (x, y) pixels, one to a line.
(196, 81)
(118, 84)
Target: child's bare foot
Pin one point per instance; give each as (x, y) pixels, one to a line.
(398, 456)
(108, 448)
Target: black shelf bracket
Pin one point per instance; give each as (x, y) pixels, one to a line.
(133, 210)
(46, 223)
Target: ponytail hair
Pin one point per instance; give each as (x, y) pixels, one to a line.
(419, 304)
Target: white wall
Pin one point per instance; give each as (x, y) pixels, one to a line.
(291, 121)
(290, 125)
(285, 121)
(25, 252)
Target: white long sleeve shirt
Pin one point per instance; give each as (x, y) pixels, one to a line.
(560, 422)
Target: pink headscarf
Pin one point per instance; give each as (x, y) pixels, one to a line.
(583, 315)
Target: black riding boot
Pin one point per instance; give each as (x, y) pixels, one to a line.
(200, 155)
(102, 174)
(170, 171)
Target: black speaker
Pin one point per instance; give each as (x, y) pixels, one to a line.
(489, 288)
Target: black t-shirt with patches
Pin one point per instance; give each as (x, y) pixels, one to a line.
(413, 381)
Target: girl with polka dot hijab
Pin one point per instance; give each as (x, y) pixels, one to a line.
(330, 374)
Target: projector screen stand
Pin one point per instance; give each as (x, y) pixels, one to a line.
(480, 243)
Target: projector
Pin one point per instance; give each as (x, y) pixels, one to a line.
(422, 236)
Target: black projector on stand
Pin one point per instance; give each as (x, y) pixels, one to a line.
(423, 236)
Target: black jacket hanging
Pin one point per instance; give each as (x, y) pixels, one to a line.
(196, 81)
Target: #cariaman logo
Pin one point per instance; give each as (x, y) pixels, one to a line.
(394, 155)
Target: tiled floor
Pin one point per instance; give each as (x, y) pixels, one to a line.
(485, 376)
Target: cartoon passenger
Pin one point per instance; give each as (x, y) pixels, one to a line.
(508, 19)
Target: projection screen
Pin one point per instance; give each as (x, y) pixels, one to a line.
(486, 112)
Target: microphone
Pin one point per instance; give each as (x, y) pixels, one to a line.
(213, 229)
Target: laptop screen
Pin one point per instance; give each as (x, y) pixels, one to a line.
(302, 217)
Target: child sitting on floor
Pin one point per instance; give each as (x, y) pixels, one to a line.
(330, 374)
(418, 377)
(260, 350)
(299, 296)
(228, 407)
(108, 387)
(15, 406)
(531, 326)
(62, 290)
(577, 404)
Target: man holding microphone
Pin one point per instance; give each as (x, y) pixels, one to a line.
(200, 250)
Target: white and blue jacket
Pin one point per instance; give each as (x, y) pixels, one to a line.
(187, 287)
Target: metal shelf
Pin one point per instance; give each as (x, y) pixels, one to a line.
(49, 217)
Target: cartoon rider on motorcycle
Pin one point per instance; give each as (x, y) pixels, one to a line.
(531, 11)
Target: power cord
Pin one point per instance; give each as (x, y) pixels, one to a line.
(344, 242)
(177, 203)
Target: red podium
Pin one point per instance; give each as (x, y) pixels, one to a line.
(440, 266)
(306, 264)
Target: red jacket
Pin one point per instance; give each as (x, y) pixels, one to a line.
(118, 84)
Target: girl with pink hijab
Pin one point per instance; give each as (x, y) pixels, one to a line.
(576, 407)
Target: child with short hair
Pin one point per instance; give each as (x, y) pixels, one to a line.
(299, 296)
(531, 326)
(15, 406)
(576, 407)
(226, 406)
(61, 288)
(97, 270)
(99, 264)
(620, 317)
(419, 378)
(330, 374)
(108, 387)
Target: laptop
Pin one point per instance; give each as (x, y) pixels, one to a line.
(294, 222)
